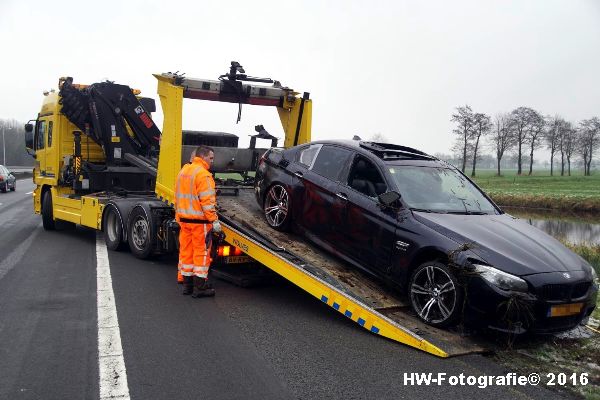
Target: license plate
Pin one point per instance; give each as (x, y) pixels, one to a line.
(237, 259)
(564, 310)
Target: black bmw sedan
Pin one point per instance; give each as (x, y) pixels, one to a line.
(421, 225)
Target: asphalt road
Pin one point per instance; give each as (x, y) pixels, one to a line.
(272, 342)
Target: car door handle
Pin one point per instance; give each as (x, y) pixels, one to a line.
(299, 174)
(342, 196)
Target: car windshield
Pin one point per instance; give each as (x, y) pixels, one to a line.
(439, 189)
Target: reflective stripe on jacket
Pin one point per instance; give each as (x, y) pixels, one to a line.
(195, 196)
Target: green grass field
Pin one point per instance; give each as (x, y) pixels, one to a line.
(575, 193)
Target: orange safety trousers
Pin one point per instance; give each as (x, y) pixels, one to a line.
(194, 249)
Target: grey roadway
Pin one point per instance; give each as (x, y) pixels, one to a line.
(272, 342)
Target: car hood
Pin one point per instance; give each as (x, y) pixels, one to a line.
(505, 242)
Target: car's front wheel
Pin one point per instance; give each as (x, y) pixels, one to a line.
(435, 295)
(277, 207)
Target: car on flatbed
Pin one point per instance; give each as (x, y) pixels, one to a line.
(419, 224)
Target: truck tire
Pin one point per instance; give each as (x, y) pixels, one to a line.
(112, 226)
(47, 214)
(140, 233)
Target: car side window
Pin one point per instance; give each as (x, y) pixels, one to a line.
(308, 154)
(331, 161)
(39, 135)
(364, 177)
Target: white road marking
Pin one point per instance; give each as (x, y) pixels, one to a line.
(113, 376)
(29, 193)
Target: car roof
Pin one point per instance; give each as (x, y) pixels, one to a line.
(389, 154)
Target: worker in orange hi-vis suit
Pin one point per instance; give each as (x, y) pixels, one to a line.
(195, 211)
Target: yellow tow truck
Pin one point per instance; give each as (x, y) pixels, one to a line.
(101, 162)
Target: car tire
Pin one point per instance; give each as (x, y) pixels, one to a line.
(140, 235)
(435, 294)
(12, 189)
(47, 213)
(3, 189)
(277, 207)
(112, 226)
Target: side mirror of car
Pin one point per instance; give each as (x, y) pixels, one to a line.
(390, 199)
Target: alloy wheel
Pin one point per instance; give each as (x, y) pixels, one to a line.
(276, 205)
(433, 294)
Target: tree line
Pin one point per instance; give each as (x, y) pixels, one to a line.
(523, 131)
(12, 144)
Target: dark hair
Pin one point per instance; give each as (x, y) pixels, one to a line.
(203, 151)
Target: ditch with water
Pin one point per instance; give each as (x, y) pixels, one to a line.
(575, 228)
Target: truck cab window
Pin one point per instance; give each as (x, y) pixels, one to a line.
(50, 134)
(39, 135)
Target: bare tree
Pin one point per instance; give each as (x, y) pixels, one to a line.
(590, 139)
(501, 139)
(552, 135)
(464, 130)
(568, 142)
(534, 134)
(582, 147)
(378, 137)
(520, 125)
(481, 127)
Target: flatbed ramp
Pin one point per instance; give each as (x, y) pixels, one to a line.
(341, 286)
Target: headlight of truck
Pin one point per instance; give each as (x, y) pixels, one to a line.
(501, 279)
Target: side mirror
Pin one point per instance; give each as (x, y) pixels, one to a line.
(389, 199)
(29, 137)
(29, 140)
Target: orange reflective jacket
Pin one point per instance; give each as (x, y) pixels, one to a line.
(195, 196)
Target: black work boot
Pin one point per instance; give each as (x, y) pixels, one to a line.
(188, 285)
(201, 289)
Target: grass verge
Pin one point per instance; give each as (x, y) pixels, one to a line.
(572, 193)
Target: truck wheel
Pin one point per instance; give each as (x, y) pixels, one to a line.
(140, 233)
(113, 229)
(47, 214)
(435, 294)
(277, 207)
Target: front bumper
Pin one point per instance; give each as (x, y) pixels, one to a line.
(515, 312)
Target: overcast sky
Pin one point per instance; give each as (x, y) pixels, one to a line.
(395, 68)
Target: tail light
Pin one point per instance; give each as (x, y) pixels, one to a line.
(228, 250)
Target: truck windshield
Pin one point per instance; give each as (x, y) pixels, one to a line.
(440, 190)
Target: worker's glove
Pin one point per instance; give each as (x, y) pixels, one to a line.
(217, 227)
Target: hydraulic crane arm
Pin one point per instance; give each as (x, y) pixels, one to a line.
(113, 117)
